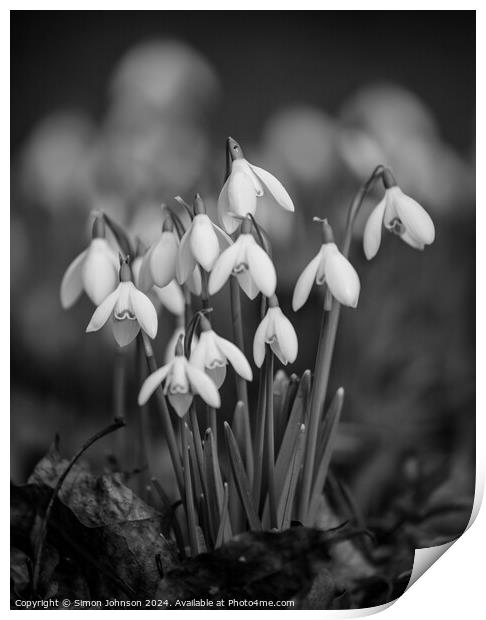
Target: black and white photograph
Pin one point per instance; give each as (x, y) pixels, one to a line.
(242, 305)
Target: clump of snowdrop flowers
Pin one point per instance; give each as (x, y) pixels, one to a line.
(128, 308)
(182, 381)
(329, 267)
(201, 244)
(246, 260)
(277, 477)
(94, 271)
(399, 214)
(158, 266)
(212, 353)
(247, 186)
(276, 330)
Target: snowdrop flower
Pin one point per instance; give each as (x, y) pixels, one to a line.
(331, 267)
(129, 309)
(277, 331)
(401, 215)
(248, 262)
(201, 244)
(158, 266)
(170, 295)
(182, 381)
(94, 271)
(246, 187)
(212, 353)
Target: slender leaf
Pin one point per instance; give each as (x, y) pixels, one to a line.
(321, 467)
(296, 418)
(192, 525)
(282, 415)
(241, 479)
(224, 533)
(286, 501)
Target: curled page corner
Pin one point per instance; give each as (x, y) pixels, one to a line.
(424, 558)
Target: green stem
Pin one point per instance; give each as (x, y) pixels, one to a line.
(270, 439)
(259, 439)
(355, 206)
(118, 423)
(119, 409)
(327, 338)
(165, 416)
(204, 289)
(143, 457)
(241, 387)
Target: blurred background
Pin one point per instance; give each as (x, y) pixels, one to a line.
(122, 111)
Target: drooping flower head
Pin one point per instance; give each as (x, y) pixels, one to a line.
(170, 295)
(158, 266)
(94, 271)
(329, 267)
(246, 260)
(212, 353)
(399, 214)
(276, 330)
(128, 308)
(246, 187)
(201, 244)
(182, 381)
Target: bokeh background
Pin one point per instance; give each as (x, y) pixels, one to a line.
(124, 110)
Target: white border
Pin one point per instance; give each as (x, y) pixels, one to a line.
(456, 584)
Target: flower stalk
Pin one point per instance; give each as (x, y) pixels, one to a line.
(164, 416)
(325, 350)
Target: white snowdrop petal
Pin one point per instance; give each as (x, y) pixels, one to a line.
(180, 403)
(103, 311)
(217, 375)
(415, 218)
(247, 284)
(235, 358)
(229, 223)
(124, 331)
(222, 268)
(151, 383)
(341, 278)
(72, 282)
(99, 275)
(305, 282)
(185, 260)
(286, 337)
(204, 242)
(259, 341)
(372, 230)
(261, 269)
(194, 282)
(143, 276)
(144, 310)
(204, 386)
(163, 259)
(171, 297)
(242, 196)
(276, 189)
(198, 353)
(407, 237)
